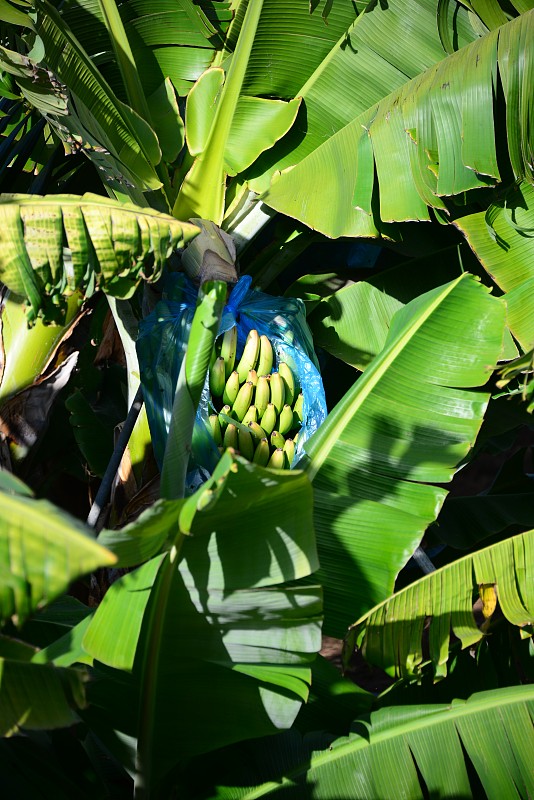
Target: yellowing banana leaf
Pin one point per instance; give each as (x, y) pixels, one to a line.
(503, 240)
(215, 595)
(406, 423)
(391, 634)
(431, 138)
(38, 696)
(402, 751)
(42, 550)
(54, 245)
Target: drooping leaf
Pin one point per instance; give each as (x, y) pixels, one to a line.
(391, 633)
(406, 423)
(409, 751)
(42, 550)
(110, 245)
(140, 540)
(38, 696)
(503, 240)
(430, 138)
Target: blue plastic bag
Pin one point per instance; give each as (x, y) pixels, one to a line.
(162, 343)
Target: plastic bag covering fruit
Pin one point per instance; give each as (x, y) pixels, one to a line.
(162, 342)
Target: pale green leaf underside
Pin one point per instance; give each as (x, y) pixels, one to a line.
(406, 423)
(54, 245)
(432, 138)
(503, 240)
(42, 550)
(410, 751)
(393, 631)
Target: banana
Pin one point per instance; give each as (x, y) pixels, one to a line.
(230, 436)
(257, 431)
(278, 391)
(246, 444)
(227, 411)
(277, 460)
(265, 363)
(277, 440)
(243, 400)
(250, 355)
(297, 411)
(228, 350)
(262, 453)
(286, 420)
(263, 395)
(289, 449)
(216, 429)
(289, 382)
(251, 415)
(252, 376)
(268, 420)
(231, 389)
(217, 377)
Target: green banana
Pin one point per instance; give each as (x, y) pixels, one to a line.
(277, 440)
(297, 411)
(231, 389)
(257, 431)
(251, 415)
(289, 381)
(286, 420)
(226, 411)
(228, 349)
(217, 377)
(230, 436)
(278, 391)
(243, 400)
(263, 395)
(265, 363)
(277, 460)
(268, 420)
(252, 376)
(250, 355)
(246, 444)
(262, 453)
(216, 429)
(289, 449)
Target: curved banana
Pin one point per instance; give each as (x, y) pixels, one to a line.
(268, 420)
(228, 349)
(277, 440)
(278, 391)
(286, 420)
(231, 389)
(277, 460)
(266, 358)
(289, 381)
(243, 400)
(250, 355)
(246, 444)
(262, 453)
(263, 394)
(217, 377)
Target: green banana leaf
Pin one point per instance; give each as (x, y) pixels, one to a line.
(391, 634)
(431, 137)
(406, 423)
(110, 245)
(403, 751)
(42, 550)
(503, 240)
(37, 696)
(203, 651)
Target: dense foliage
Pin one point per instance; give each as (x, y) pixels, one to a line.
(374, 159)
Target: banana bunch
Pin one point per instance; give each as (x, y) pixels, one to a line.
(259, 412)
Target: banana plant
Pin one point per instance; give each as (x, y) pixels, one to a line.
(298, 125)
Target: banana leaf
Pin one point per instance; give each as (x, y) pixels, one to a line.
(503, 240)
(405, 425)
(431, 137)
(229, 629)
(109, 245)
(42, 550)
(404, 751)
(391, 634)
